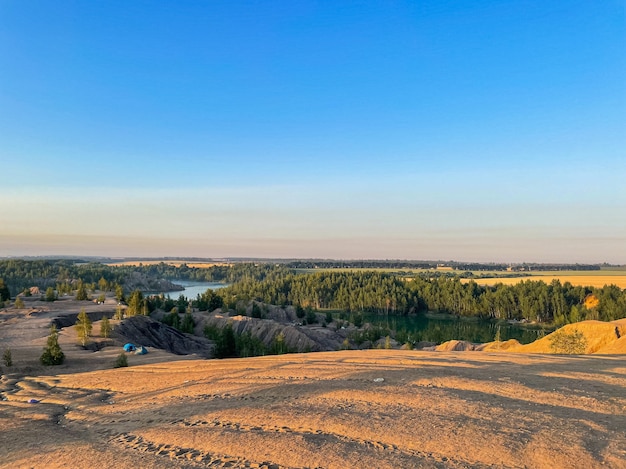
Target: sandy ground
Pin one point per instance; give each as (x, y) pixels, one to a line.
(349, 409)
(374, 408)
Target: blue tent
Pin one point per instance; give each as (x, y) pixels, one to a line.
(141, 350)
(129, 347)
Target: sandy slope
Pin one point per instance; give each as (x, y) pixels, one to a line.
(431, 409)
(325, 410)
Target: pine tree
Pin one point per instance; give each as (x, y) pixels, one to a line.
(119, 313)
(119, 293)
(52, 353)
(105, 327)
(135, 304)
(50, 294)
(7, 357)
(81, 292)
(187, 324)
(83, 327)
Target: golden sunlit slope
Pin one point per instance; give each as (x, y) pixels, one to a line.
(597, 337)
(359, 408)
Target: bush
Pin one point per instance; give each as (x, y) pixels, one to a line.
(358, 320)
(122, 361)
(573, 343)
(19, 303)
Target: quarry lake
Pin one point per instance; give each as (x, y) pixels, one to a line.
(192, 289)
(430, 327)
(440, 328)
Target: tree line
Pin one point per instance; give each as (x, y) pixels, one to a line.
(382, 293)
(18, 274)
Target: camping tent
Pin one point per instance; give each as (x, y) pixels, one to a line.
(141, 350)
(129, 347)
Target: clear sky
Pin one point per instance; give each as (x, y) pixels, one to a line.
(467, 130)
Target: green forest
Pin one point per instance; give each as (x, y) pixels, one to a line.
(383, 293)
(342, 290)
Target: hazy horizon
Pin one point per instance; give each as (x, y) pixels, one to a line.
(476, 131)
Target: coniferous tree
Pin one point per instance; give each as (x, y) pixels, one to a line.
(52, 353)
(7, 357)
(187, 324)
(50, 294)
(83, 327)
(4, 291)
(135, 304)
(105, 327)
(81, 292)
(119, 293)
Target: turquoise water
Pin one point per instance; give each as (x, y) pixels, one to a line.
(192, 289)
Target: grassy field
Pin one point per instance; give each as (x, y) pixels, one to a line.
(176, 263)
(597, 278)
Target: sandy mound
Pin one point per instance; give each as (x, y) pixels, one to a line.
(599, 337)
(456, 346)
(498, 346)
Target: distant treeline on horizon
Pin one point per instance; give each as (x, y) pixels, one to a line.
(335, 263)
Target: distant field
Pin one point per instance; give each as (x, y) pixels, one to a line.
(176, 263)
(577, 278)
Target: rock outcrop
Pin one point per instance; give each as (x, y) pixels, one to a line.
(143, 330)
(300, 338)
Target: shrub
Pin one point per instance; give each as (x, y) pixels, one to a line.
(19, 303)
(121, 362)
(573, 343)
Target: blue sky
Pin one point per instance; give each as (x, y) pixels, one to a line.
(469, 130)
